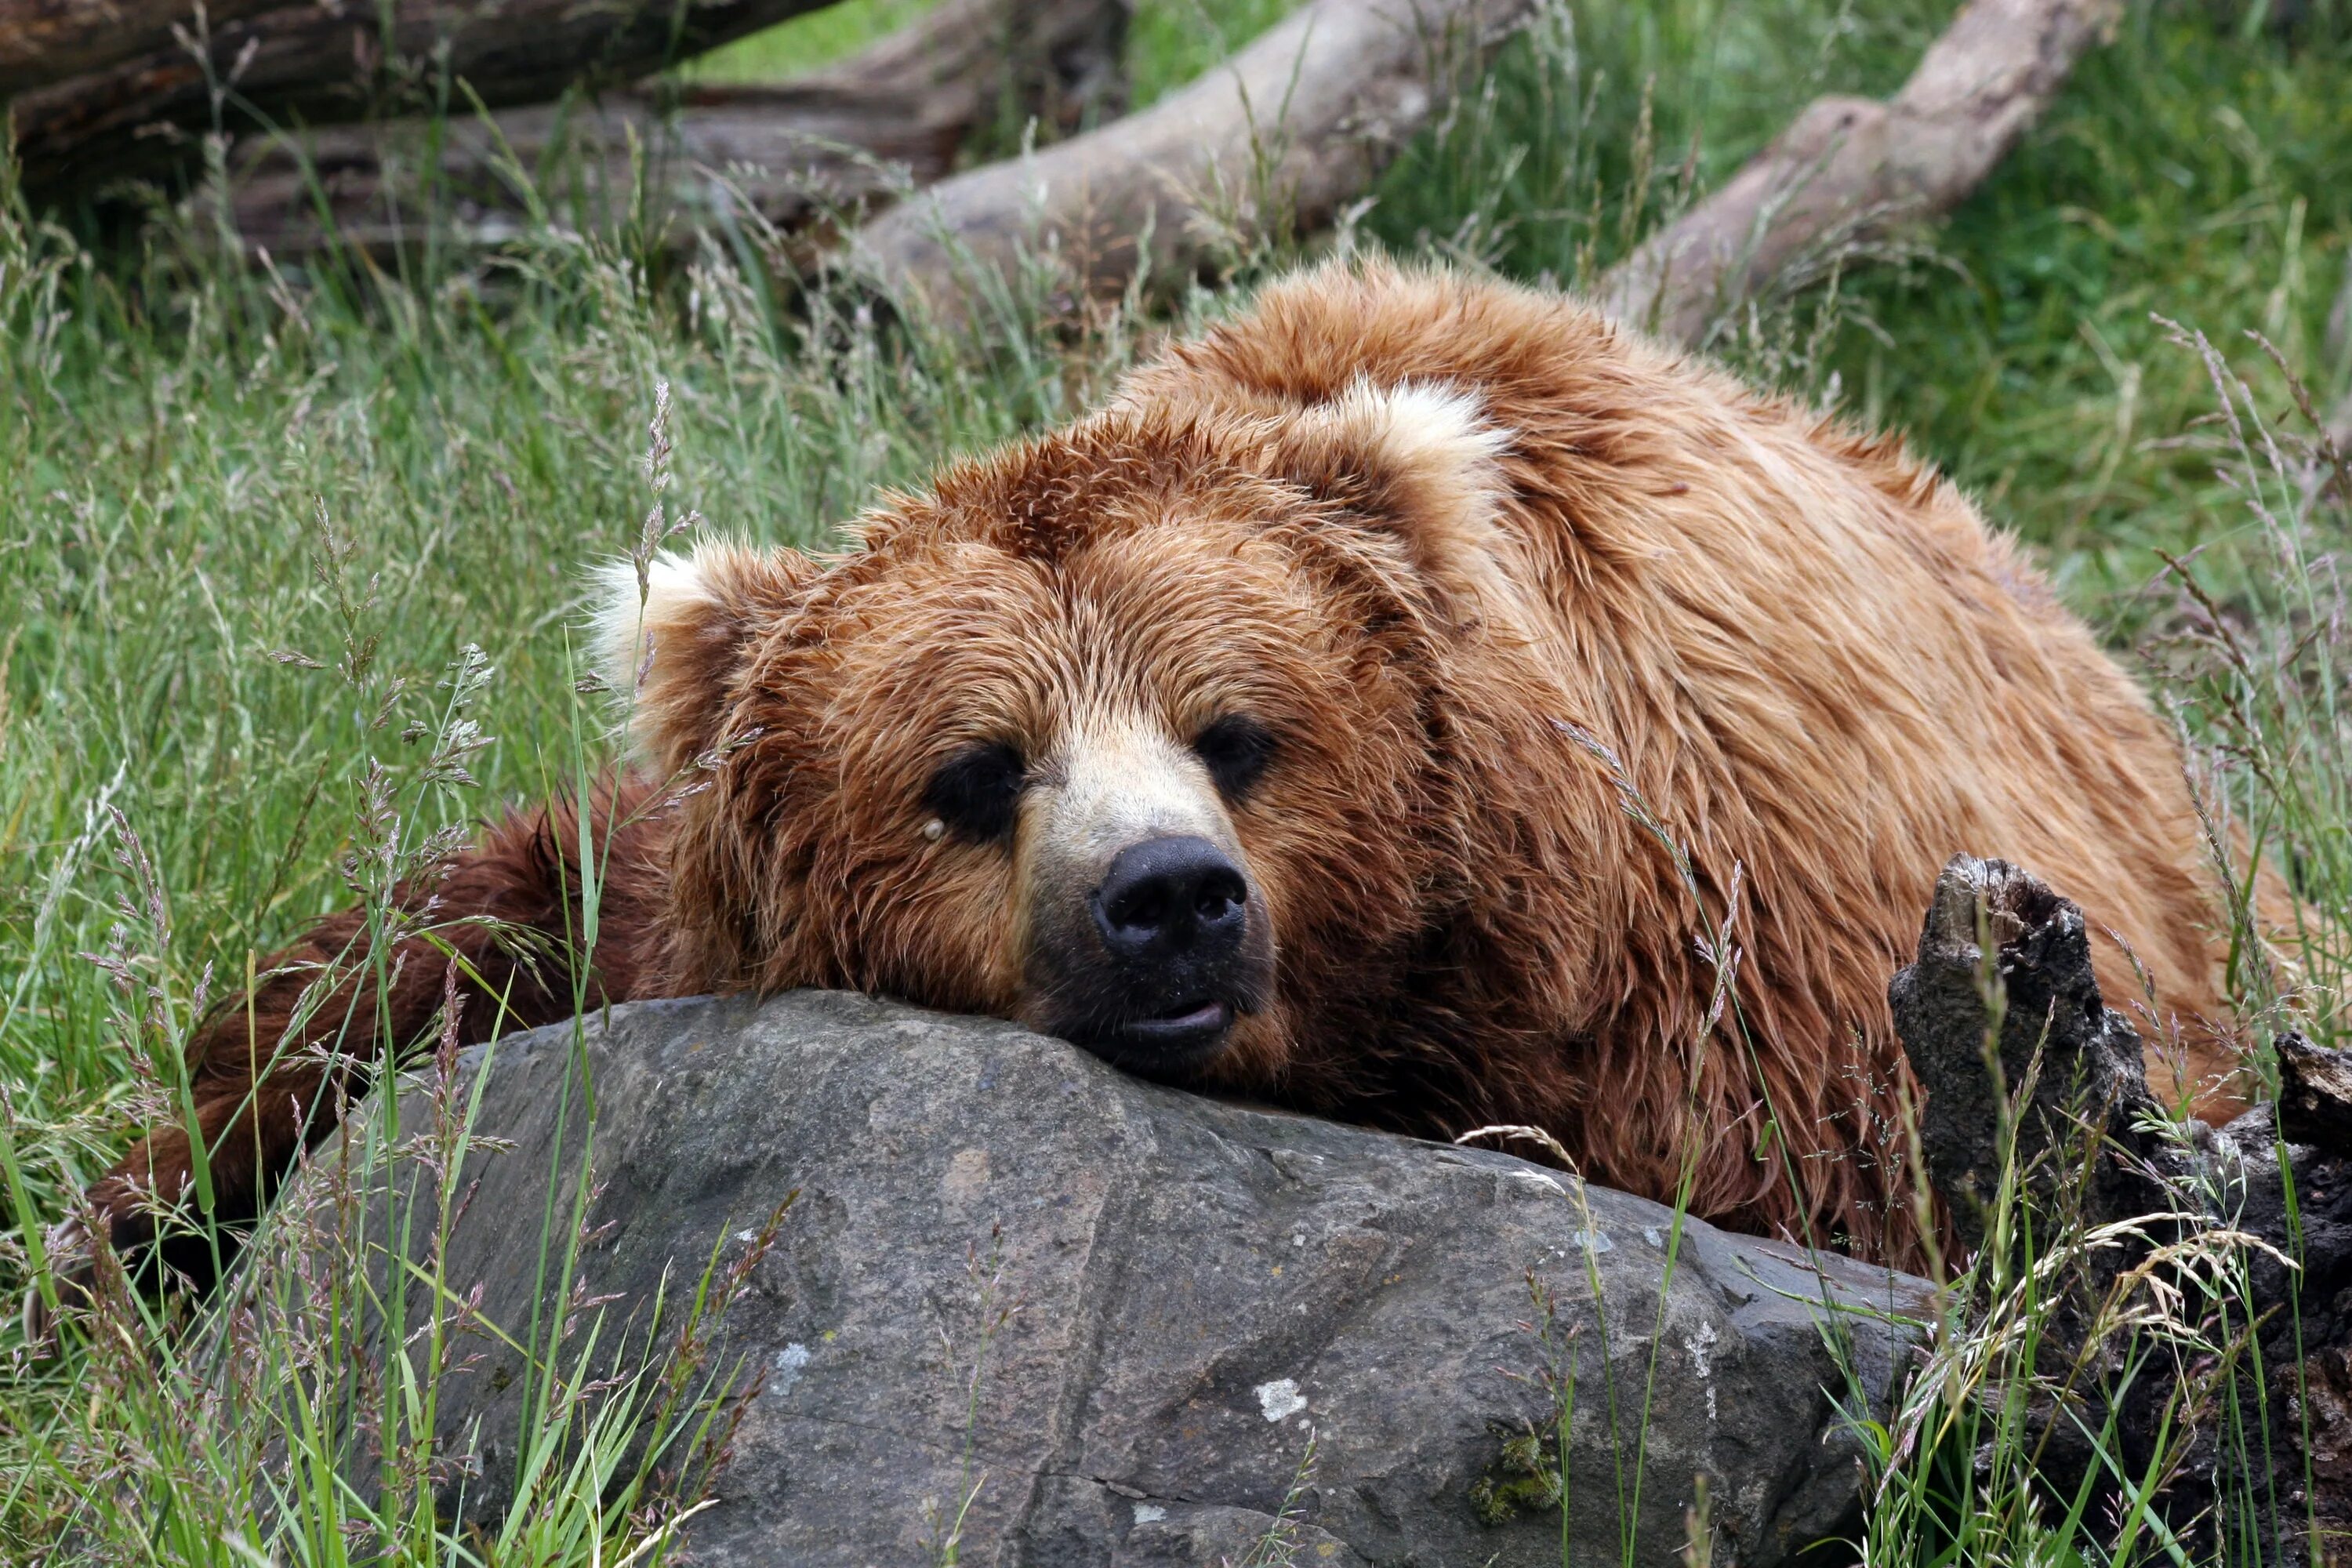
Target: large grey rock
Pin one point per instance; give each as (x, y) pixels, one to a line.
(1195, 1288)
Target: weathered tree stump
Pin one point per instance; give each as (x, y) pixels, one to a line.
(2003, 979)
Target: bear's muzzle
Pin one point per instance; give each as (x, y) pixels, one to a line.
(1175, 947)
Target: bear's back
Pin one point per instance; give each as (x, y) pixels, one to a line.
(1812, 656)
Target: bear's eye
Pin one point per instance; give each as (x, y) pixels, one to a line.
(977, 791)
(1236, 749)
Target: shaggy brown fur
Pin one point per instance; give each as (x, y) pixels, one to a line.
(1433, 534)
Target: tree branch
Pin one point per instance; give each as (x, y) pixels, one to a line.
(1282, 135)
(1850, 170)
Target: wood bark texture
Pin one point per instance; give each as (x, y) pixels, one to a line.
(1850, 170)
(2276, 1184)
(1283, 134)
(331, 60)
(45, 41)
(891, 117)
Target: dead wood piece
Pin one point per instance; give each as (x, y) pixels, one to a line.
(2083, 1062)
(1850, 170)
(45, 41)
(1282, 135)
(330, 60)
(2090, 1152)
(2315, 1093)
(890, 117)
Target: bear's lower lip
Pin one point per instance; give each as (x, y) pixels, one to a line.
(1171, 1042)
(1192, 1022)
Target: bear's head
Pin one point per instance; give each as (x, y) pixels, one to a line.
(1135, 732)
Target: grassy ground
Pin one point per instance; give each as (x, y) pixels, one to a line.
(807, 42)
(1171, 41)
(256, 522)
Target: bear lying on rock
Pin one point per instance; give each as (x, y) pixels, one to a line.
(1381, 709)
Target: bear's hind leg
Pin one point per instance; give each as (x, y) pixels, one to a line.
(270, 1072)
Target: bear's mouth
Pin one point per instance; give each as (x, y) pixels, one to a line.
(1184, 1036)
(1183, 1024)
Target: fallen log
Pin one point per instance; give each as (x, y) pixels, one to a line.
(1849, 171)
(1293, 128)
(331, 60)
(45, 41)
(1278, 138)
(890, 118)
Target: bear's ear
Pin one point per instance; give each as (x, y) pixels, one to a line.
(1421, 462)
(668, 647)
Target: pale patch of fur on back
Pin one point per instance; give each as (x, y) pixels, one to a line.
(1433, 431)
(1433, 444)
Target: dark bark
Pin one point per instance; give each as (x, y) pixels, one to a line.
(331, 60)
(891, 117)
(2276, 1182)
(45, 41)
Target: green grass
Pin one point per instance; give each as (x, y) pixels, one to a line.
(256, 530)
(806, 42)
(1170, 42)
(2183, 177)
(217, 480)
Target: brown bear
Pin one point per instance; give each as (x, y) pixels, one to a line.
(1416, 700)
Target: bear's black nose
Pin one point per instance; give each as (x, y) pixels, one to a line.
(1172, 899)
